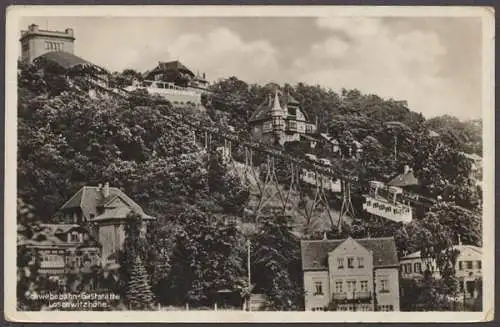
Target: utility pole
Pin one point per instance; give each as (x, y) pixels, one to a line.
(249, 274)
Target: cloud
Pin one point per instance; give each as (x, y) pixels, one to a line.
(370, 55)
(353, 26)
(222, 53)
(433, 63)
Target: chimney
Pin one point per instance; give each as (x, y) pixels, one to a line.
(105, 190)
(459, 240)
(33, 28)
(324, 236)
(69, 31)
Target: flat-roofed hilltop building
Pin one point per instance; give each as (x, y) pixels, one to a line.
(52, 52)
(36, 42)
(351, 274)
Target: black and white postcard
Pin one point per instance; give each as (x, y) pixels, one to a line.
(249, 164)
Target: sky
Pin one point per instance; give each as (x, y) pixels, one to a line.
(433, 63)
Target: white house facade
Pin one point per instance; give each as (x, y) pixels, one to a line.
(351, 275)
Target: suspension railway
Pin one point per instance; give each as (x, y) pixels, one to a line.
(323, 176)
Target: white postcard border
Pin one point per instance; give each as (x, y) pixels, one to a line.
(14, 13)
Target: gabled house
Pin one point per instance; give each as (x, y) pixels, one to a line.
(351, 274)
(171, 71)
(106, 209)
(178, 74)
(174, 82)
(280, 119)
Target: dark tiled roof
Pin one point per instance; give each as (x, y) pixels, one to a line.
(174, 65)
(66, 60)
(89, 198)
(263, 112)
(315, 253)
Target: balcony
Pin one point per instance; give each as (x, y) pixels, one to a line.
(363, 295)
(278, 126)
(339, 296)
(344, 297)
(291, 126)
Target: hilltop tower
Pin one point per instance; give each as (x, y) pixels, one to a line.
(36, 42)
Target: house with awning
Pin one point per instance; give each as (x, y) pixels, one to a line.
(106, 210)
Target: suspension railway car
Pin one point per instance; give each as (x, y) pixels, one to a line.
(386, 201)
(310, 177)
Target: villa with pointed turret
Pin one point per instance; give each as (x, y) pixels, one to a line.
(280, 119)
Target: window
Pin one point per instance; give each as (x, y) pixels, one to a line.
(417, 267)
(361, 262)
(267, 126)
(318, 288)
(478, 264)
(340, 263)
(351, 286)
(384, 286)
(460, 265)
(74, 237)
(350, 262)
(363, 286)
(338, 287)
(469, 264)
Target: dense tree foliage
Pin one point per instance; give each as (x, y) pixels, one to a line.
(205, 259)
(276, 265)
(139, 294)
(195, 249)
